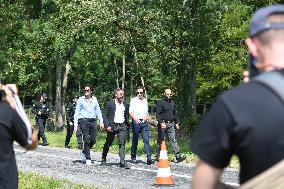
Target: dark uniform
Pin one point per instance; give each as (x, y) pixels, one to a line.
(42, 112)
(70, 111)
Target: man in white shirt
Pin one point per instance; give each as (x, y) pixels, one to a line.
(116, 116)
(138, 111)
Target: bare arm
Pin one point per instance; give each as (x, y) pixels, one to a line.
(205, 176)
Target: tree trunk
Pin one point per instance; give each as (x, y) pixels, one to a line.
(50, 126)
(187, 68)
(117, 78)
(123, 71)
(65, 78)
(58, 99)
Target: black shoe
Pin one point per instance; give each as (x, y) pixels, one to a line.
(103, 162)
(157, 158)
(150, 162)
(134, 161)
(66, 146)
(45, 144)
(180, 159)
(124, 165)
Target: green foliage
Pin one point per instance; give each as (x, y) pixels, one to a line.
(194, 47)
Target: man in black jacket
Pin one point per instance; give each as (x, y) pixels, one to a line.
(167, 122)
(41, 110)
(116, 123)
(70, 111)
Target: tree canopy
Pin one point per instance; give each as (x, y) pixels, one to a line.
(194, 47)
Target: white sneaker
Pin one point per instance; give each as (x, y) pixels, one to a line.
(89, 162)
(83, 157)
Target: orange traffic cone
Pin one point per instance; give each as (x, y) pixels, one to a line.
(164, 176)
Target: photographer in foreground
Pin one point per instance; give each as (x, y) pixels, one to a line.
(14, 126)
(247, 121)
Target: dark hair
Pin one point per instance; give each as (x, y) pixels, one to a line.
(141, 87)
(90, 87)
(118, 89)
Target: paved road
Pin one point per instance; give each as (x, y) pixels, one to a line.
(66, 164)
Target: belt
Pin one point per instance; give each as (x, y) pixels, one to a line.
(87, 119)
(118, 123)
(168, 121)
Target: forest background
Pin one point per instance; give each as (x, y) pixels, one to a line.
(195, 47)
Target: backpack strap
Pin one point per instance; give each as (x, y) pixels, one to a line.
(274, 81)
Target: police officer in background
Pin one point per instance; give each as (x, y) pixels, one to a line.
(41, 110)
(70, 111)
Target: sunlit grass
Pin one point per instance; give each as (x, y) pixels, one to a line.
(32, 181)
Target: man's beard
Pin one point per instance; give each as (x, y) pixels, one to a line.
(120, 99)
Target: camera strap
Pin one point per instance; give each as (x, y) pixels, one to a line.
(273, 80)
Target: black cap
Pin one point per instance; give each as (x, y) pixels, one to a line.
(259, 22)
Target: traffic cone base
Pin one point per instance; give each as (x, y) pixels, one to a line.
(164, 181)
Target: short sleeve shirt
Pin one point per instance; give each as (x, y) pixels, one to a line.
(12, 128)
(246, 121)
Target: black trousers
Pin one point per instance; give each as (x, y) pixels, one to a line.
(41, 126)
(88, 127)
(70, 129)
(121, 131)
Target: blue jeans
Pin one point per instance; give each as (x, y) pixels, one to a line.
(137, 129)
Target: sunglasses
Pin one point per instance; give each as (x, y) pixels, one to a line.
(139, 92)
(87, 90)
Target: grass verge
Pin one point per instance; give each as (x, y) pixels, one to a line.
(31, 180)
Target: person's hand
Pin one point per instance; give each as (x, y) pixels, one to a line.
(75, 127)
(102, 126)
(13, 87)
(108, 129)
(145, 118)
(177, 126)
(8, 95)
(137, 121)
(70, 123)
(163, 126)
(39, 113)
(246, 76)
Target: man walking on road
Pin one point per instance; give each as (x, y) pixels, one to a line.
(138, 111)
(41, 110)
(116, 123)
(167, 122)
(86, 112)
(247, 120)
(70, 111)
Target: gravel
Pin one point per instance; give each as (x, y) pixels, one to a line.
(66, 164)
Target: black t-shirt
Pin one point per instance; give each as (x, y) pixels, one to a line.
(12, 128)
(247, 121)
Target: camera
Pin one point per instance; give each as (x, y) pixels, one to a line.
(2, 95)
